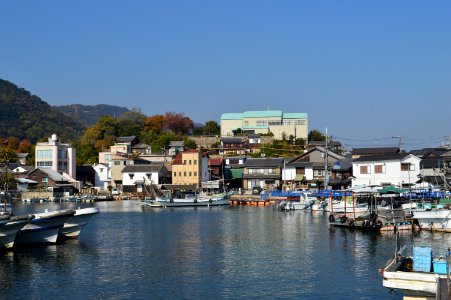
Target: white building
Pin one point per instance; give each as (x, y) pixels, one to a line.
(400, 169)
(135, 177)
(56, 156)
(261, 122)
(102, 176)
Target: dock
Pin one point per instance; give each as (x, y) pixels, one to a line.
(255, 200)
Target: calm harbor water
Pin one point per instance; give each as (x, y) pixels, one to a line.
(126, 252)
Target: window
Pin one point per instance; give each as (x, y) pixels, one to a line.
(44, 153)
(44, 164)
(195, 162)
(262, 123)
(180, 174)
(189, 162)
(195, 173)
(184, 173)
(108, 157)
(275, 123)
(101, 170)
(246, 123)
(190, 174)
(299, 122)
(379, 169)
(62, 154)
(175, 174)
(62, 165)
(131, 175)
(318, 173)
(364, 170)
(184, 162)
(407, 167)
(117, 163)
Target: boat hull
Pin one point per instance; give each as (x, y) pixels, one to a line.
(187, 203)
(9, 231)
(73, 226)
(44, 228)
(434, 220)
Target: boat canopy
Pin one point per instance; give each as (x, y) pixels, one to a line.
(391, 190)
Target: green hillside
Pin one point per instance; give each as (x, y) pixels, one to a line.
(90, 114)
(23, 115)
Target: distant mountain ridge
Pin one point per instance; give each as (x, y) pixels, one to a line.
(26, 116)
(88, 115)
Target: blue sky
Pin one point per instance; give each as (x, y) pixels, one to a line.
(366, 70)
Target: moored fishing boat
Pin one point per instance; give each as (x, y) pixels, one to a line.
(10, 227)
(44, 228)
(436, 219)
(73, 226)
(213, 200)
(304, 202)
(416, 276)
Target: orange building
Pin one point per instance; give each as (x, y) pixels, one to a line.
(190, 167)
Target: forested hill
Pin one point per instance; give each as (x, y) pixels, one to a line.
(90, 114)
(25, 116)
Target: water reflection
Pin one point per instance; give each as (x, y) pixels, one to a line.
(126, 252)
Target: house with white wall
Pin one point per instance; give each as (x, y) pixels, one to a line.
(399, 169)
(102, 176)
(135, 177)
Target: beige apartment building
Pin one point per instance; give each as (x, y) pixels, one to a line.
(59, 157)
(263, 122)
(190, 167)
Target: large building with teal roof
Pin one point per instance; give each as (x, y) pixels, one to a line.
(265, 121)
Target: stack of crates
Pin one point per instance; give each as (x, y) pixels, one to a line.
(422, 259)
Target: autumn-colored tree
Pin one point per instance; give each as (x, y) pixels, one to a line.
(25, 146)
(154, 124)
(177, 123)
(13, 143)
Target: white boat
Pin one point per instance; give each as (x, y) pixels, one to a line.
(436, 219)
(400, 274)
(342, 207)
(44, 228)
(73, 226)
(213, 200)
(10, 227)
(305, 201)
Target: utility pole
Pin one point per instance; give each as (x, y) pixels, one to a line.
(400, 144)
(326, 174)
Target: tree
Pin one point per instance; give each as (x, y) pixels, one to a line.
(316, 135)
(198, 130)
(130, 123)
(190, 144)
(237, 132)
(211, 128)
(25, 146)
(177, 123)
(154, 124)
